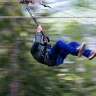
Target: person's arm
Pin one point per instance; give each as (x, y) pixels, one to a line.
(38, 34)
(37, 39)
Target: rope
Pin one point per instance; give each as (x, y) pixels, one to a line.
(30, 12)
(1, 17)
(34, 19)
(67, 14)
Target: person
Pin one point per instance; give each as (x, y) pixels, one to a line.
(43, 52)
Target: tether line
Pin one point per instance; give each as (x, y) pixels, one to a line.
(67, 14)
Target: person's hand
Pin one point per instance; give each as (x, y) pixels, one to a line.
(39, 28)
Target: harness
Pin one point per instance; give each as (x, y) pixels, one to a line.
(46, 45)
(46, 58)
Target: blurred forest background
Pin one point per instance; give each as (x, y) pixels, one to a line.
(21, 75)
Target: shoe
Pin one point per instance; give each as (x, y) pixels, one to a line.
(92, 55)
(81, 48)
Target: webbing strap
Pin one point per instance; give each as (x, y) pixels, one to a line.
(29, 10)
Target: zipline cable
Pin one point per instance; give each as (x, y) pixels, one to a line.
(40, 2)
(1, 17)
(67, 13)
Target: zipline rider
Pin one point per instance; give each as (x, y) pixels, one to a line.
(54, 55)
(40, 46)
(42, 51)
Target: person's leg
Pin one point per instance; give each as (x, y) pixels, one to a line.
(59, 51)
(62, 55)
(60, 45)
(86, 52)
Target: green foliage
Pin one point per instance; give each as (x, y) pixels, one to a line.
(82, 3)
(34, 78)
(74, 30)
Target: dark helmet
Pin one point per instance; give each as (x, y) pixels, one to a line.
(46, 38)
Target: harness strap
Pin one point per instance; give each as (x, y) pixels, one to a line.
(49, 61)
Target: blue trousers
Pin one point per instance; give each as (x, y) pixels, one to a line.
(60, 50)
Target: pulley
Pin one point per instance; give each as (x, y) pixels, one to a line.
(31, 1)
